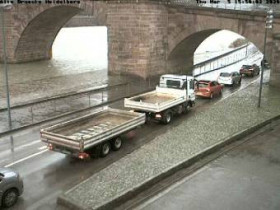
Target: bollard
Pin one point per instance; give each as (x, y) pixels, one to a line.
(32, 118)
(89, 104)
(102, 97)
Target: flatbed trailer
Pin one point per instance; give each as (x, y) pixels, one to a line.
(91, 134)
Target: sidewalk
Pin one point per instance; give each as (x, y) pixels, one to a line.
(244, 178)
(197, 135)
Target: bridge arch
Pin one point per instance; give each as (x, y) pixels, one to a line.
(39, 34)
(181, 50)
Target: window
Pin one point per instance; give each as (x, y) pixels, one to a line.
(173, 84)
(192, 84)
(224, 74)
(202, 85)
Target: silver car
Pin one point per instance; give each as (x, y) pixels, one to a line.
(11, 186)
(229, 78)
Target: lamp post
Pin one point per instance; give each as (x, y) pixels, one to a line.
(2, 8)
(268, 25)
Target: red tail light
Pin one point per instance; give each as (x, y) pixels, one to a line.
(83, 155)
(50, 146)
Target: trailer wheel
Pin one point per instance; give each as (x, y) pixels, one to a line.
(104, 149)
(167, 117)
(116, 143)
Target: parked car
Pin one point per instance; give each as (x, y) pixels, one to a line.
(229, 78)
(208, 89)
(250, 70)
(11, 186)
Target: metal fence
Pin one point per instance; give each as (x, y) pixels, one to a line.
(39, 110)
(224, 60)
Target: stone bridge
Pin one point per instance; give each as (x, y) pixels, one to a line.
(145, 38)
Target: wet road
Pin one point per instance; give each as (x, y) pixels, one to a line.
(245, 178)
(47, 174)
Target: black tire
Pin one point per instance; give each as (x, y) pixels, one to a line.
(167, 117)
(116, 143)
(239, 82)
(104, 149)
(10, 198)
(148, 118)
(187, 108)
(180, 109)
(211, 95)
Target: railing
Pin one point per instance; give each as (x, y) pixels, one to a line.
(70, 105)
(42, 109)
(224, 60)
(229, 5)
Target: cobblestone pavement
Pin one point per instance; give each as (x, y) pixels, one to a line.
(247, 177)
(198, 133)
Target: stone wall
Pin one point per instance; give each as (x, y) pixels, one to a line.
(137, 39)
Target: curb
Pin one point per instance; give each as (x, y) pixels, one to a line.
(117, 201)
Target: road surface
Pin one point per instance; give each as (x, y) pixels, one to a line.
(47, 174)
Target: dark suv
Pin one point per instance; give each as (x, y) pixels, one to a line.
(11, 186)
(250, 70)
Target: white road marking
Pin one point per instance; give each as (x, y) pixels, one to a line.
(27, 145)
(26, 158)
(43, 147)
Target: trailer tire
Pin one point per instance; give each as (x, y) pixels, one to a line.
(167, 117)
(104, 149)
(116, 143)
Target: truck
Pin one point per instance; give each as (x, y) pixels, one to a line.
(174, 95)
(99, 133)
(94, 134)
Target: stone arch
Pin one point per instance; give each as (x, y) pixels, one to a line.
(37, 37)
(181, 50)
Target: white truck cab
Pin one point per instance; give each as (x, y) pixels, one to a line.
(179, 82)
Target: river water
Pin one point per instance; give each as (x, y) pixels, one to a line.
(75, 51)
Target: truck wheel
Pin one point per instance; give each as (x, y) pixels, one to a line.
(180, 109)
(10, 198)
(148, 118)
(116, 143)
(167, 116)
(104, 149)
(187, 107)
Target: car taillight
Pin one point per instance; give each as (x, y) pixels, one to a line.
(50, 147)
(83, 155)
(158, 116)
